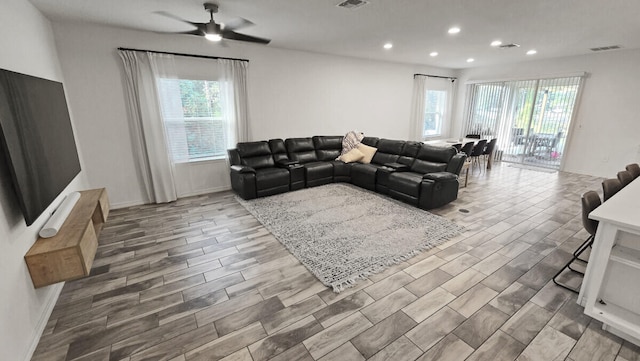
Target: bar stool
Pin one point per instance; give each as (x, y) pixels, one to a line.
(634, 169)
(625, 177)
(590, 201)
(610, 187)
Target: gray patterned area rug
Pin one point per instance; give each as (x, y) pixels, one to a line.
(343, 233)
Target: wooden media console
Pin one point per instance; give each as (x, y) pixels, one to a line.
(69, 254)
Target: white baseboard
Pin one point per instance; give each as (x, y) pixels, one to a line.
(125, 204)
(44, 318)
(205, 191)
(181, 195)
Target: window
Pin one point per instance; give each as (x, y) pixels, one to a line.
(194, 120)
(434, 112)
(431, 106)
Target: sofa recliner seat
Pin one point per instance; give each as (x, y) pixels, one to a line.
(296, 171)
(303, 151)
(328, 149)
(388, 151)
(411, 186)
(254, 173)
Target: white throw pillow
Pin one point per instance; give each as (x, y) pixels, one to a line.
(353, 155)
(367, 151)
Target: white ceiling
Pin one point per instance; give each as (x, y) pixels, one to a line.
(554, 28)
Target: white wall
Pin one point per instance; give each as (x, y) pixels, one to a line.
(27, 47)
(291, 94)
(605, 134)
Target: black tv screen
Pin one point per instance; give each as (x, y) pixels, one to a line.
(37, 140)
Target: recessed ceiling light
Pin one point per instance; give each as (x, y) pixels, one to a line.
(433, 53)
(454, 30)
(496, 43)
(388, 46)
(531, 52)
(471, 60)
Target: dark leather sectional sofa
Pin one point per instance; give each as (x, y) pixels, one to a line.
(419, 174)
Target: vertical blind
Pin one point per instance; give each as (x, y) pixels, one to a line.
(530, 118)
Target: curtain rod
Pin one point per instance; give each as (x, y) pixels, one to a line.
(436, 76)
(182, 54)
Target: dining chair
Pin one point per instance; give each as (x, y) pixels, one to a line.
(467, 148)
(610, 187)
(473, 136)
(489, 149)
(625, 177)
(634, 168)
(477, 152)
(590, 201)
(458, 146)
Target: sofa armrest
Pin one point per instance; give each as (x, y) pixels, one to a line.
(440, 176)
(438, 189)
(456, 163)
(243, 181)
(242, 169)
(397, 167)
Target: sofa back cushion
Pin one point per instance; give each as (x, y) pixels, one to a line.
(370, 141)
(278, 149)
(409, 153)
(301, 149)
(234, 157)
(432, 159)
(255, 154)
(327, 147)
(425, 166)
(388, 151)
(436, 154)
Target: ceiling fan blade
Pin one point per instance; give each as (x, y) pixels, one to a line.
(232, 35)
(163, 13)
(191, 32)
(237, 23)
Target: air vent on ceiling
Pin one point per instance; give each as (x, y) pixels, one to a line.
(603, 48)
(509, 46)
(352, 4)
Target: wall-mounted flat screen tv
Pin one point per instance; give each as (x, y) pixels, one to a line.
(37, 140)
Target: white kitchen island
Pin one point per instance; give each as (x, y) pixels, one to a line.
(610, 290)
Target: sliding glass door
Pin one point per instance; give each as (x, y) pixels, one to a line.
(530, 118)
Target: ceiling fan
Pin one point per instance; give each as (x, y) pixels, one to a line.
(216, 32)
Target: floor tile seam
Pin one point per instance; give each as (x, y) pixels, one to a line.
(392, 341)
(574, 344)
(176, 336)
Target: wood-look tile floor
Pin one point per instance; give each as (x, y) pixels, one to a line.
(201, 279)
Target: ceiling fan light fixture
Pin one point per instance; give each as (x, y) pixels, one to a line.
(388, 46)
(454, 30)
(212, 31)
(213, 37)
(496, 43)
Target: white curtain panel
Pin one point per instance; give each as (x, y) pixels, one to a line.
(451, 87)
(156, 168)
(417, 107)
(233, 93)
